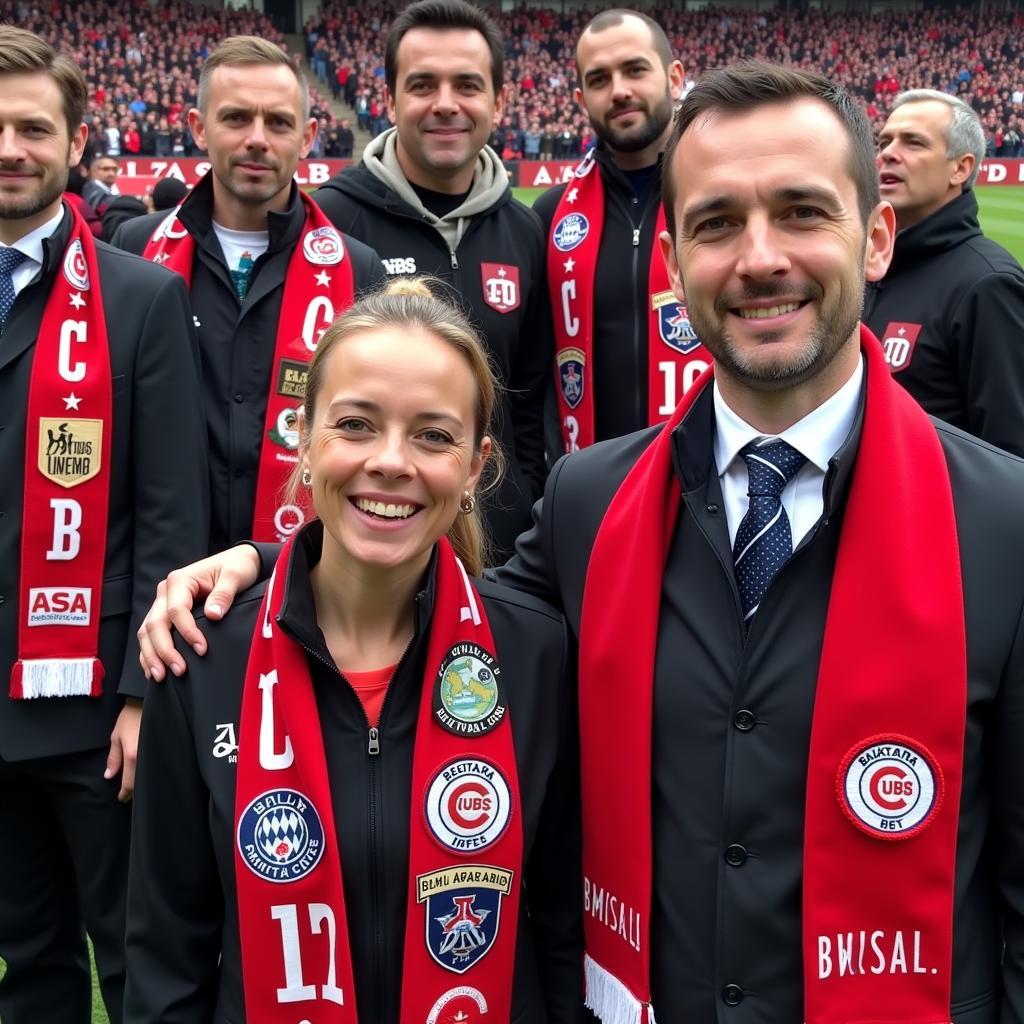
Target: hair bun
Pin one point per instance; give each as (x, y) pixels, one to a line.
(418, 286)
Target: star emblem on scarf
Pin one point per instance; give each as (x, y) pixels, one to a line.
(571, 197)
(161, 257)
(570, 265)
(323, 278)
(71, 402)
(76, 300)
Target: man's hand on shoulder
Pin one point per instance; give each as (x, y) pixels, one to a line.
(218, 578)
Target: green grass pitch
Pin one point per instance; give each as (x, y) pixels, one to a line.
(1002, 213)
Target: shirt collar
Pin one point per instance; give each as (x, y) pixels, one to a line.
(32, 243)
(818, 436)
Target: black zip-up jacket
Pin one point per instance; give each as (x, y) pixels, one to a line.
(966, 295)
(621, 297)
(237, 339)
(519, 341)
(732, 718)
(182, 905)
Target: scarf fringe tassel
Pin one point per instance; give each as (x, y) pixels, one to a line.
(610, 1000)
(56, 677)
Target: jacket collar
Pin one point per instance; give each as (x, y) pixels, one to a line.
(611, 171)
(946, 228)
(196, 214)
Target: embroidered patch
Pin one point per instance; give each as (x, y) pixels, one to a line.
(463, 912)
(323, 247)
(501, 286)
(570, 231)
(287, 519)
(75, 270)
(674, 322)
(890, 786)
(291, 378)
(280, 836)
(462, 1005)
(571, 363)
(59, 606)
(70, 451)
(285, 431)
(467, 805)
(898, 343)
(467, 699)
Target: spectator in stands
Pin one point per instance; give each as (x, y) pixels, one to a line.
(168, 193)
(346, 139)
(950, 310)
(101, 184)
(435, 199)
(266, 274)
(601, 293)
(105, 486)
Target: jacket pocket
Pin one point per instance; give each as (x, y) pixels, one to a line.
(982, 1009)
(117, 596)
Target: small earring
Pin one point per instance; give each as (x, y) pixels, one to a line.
(307, 478)
(467, 504)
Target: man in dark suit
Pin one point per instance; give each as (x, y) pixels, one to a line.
(799, 622)
(102, 444)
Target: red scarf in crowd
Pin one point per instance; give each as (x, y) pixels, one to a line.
(67, 485)
(886, 752)
(465, 830)
(318, 286)
(675, 358)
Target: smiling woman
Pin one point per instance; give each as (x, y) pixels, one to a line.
(385, 729)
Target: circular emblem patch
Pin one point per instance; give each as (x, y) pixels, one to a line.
(570, 231)
(75, 270)
(323, 247)
(467, 700)
(890, 787)
(287, 519)
(467, 805)
(462, 1005)
(280, 836)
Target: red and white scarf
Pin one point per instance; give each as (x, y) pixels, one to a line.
(675, 357)
(67, 485)
(886, 752)
(318, 286)
(465, 829)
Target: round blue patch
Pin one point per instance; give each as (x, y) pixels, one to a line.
(570, 231)
(280, 836)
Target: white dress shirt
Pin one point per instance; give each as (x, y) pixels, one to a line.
(32, 246)
(818, 436)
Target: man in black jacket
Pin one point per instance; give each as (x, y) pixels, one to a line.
(103, 447)
(950, 310)
(804, 708)
(610, 329)
(247, 221)
(433, 198)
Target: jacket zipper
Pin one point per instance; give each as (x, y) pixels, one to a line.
(373, 752)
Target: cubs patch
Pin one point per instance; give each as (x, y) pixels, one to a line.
(898, 341)
(467, 699)
(570, 231)
(890, 787)
(70, 451)
(462, 1005)
(674, 322)
(280, 836)
(323, 247)
(571, 364)
(467, 805)
(463, 912)
(501, 286)
(291, 378)
(75, 270)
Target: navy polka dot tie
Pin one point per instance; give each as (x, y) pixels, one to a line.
(10, 260)
(764, 540)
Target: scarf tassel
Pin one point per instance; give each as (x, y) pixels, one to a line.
(610, 1000)
(56, 677)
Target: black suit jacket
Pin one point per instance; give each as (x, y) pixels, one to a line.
(158, 487)
(732, 719)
